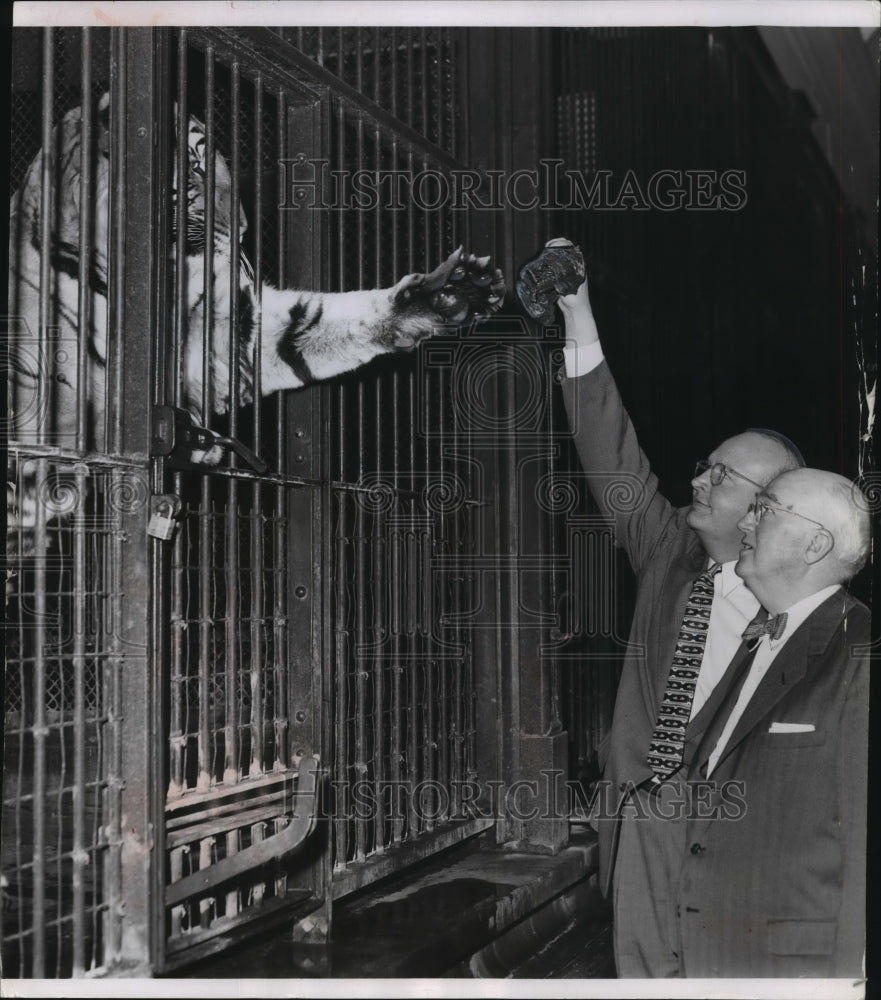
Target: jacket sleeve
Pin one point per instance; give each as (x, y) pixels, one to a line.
(853, 766)
(618, 472)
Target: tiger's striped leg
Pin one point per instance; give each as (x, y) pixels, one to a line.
(309, 336)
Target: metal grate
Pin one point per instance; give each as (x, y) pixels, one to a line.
(237, 637)
(413, 73)
(64, 598)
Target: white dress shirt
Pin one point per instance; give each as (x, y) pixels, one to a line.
(581, 360)
(734, 607)
(766, 651)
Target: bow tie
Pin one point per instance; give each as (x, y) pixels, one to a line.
(773, 626)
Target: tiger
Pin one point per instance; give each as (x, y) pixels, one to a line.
(304, 336)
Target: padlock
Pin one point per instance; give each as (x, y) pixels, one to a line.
(162, 519)
(161, 526)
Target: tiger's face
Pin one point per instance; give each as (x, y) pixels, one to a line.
(197, 185)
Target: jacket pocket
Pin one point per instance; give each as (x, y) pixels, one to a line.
(789, 741)
(801, 937)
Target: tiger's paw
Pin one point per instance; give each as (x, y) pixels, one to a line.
(462, 288)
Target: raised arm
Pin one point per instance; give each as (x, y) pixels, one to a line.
(619, 473)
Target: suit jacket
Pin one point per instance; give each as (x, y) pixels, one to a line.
(773, 883)
(666, 556)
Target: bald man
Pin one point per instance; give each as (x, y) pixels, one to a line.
(776, 887)
(684, 560)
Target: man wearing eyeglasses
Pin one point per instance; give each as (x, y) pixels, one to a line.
(779, 890)
(684, 562)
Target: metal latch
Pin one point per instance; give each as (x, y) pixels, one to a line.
(177, 436)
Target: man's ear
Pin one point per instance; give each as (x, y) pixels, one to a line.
(820, 546)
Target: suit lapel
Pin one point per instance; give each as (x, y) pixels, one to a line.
(698, 726)
(787, 669)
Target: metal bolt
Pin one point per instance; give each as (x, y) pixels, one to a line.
(301, 716)
(300, 592)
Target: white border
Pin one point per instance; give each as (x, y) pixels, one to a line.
(773, 989)
(470, 13)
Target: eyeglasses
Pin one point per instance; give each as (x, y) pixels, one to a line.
(719, 470)
(763, 505)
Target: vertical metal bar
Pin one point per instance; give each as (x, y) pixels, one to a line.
(361, 766)
(279, 554)
(258, 263)
(78, 854)
(343, 640)
(423, 80)
(393, 70)
(360, 539)
(380, 631)
(47, 168)
(282, 149)
(340, 165)
(40, 729)
(206, 520)
(257, 653)
(234, 896)
(208, 250)
(232, 766)
(439, 520)
(439, 613)
(116, 264)
(455, 110)
(422, 582)
(439, 101)
(84, 299)
(377, 56)
(109, 562)
(396, 749)
(234, 254)
(410, 89)
(413, 826)
(341, 748)
(15, 833)
(178, 700)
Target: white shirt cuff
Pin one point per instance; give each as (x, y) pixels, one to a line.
(581, 360)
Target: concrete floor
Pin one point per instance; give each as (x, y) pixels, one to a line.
(470, 913)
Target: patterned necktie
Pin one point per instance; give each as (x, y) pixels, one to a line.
(668, 739)
(773, 626)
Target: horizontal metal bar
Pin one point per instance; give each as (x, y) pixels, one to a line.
(355, 876)
(213, 810)
(241, 792)
(201, 942)
(292, 837)
(23, 453)
(216, 825)
(277, 479)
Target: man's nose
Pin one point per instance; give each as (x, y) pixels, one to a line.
(701, 481)
(747, 522)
